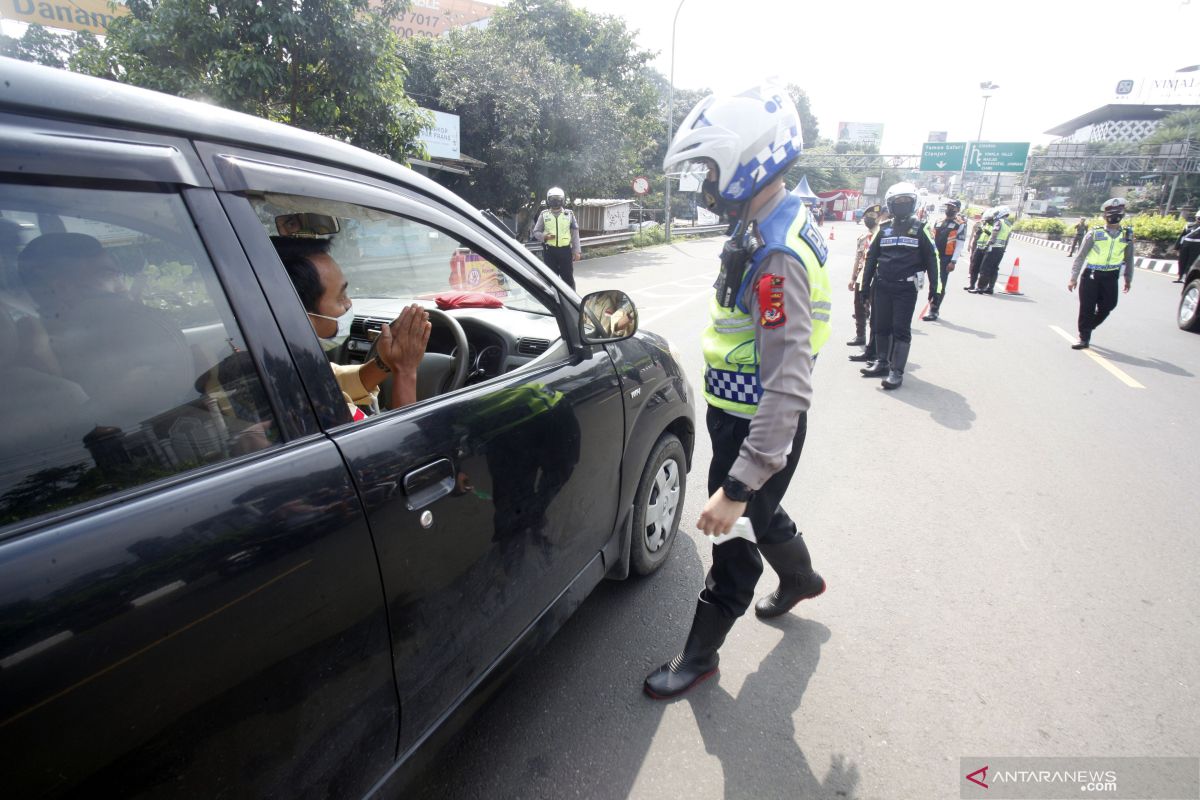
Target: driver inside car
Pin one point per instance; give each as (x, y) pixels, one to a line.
(322, 289)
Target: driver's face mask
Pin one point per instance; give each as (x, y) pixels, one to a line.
(343, 328)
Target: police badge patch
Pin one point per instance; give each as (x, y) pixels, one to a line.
(770, 301)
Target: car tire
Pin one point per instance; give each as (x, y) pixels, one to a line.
(658, 505)
(1189, 307)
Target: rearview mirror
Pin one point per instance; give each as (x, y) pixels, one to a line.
(607, 316)
(307, 225)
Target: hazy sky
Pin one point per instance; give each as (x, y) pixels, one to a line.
(916, 67)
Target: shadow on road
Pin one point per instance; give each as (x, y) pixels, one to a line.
(1148, 363)
(950, 326)
(945, 406)
(1012, 298)
(753, 734)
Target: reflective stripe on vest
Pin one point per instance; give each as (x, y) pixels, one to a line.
(558, 226)
(728, 343)
(1108, 252)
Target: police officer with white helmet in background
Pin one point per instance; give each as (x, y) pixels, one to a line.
(899, 253)
(768, 318)
(558, 231)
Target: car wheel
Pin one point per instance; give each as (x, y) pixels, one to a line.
(658, 505)
(1189, 307)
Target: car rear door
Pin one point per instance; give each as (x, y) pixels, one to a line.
(190, 602)
(486, 503)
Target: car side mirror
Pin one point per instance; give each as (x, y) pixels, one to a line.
(607, 316)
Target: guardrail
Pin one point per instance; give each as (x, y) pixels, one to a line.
(624, 236)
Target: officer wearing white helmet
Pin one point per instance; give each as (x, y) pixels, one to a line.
(989, 269)
(980, 236)
(1105, 251)
(558, 230)
(900, 252)
(768, 318)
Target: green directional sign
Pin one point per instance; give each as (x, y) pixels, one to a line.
(997, 156)
(942, 156)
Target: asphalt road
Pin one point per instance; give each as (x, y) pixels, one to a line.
(1011, 552)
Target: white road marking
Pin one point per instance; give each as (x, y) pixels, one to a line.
(1101, 360)
(647, 319)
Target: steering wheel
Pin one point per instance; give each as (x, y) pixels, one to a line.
(438, 372)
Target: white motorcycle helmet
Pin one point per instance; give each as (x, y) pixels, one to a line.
(1002, 212)
(901, 199)
(555, 197)
(752, 137)
(989, 215)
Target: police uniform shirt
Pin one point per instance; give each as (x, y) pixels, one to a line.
(1085, 248)
(898, 253)
(539, 229)
(784, 364)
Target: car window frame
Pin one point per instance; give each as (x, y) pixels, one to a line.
(238, 172)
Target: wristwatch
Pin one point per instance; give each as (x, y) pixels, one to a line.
(379, 363)
(736, 491)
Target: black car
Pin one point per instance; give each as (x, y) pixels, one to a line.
(220, 575)
(1188, 316)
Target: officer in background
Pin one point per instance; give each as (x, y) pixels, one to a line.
(899, 253)
(989, 269)
(979, 239)
(862, 305)
(949, 236)
(767, 320)
(1105, 251)
(1188, 247)
(557, 229)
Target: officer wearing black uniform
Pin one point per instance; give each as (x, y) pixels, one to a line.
(898, 255)
(949, 236)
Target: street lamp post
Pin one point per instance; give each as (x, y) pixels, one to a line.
(988, 87)
(670, 121)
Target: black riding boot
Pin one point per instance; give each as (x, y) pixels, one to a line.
(699, 658)
(899, 359)
(879, 366)
(797, 580)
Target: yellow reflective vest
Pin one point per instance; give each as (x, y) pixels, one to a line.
(728, 343)
(557, 228)
(1108, 251)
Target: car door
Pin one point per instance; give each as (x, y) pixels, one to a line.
(486, 503)
(189, 598)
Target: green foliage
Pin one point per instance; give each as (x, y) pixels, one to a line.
(548, 95)
(43, 46)
(329, 66)
(649, 236)
(1146, 227)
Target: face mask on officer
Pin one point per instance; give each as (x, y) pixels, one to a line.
(1113, 217)
(554, 202)
(902, 207)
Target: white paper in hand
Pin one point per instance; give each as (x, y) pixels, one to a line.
(742, 529)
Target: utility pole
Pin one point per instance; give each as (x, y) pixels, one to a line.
(670, 123)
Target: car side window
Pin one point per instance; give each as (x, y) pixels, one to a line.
(383, 262)
(122, 361)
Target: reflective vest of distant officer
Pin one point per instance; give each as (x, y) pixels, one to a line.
(557, 229)
(731, 355)
(979, 239)
(989, 269)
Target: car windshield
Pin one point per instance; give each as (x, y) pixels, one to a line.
(387, 257)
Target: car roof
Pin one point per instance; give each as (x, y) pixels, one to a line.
(60, 94)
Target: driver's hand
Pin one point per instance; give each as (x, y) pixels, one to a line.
(401, 344)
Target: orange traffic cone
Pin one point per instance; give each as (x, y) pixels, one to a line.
(1014, 278)
(831, 233)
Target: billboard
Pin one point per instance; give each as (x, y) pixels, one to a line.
(865, 133)
(441, 139)
(937, 136)
(76, 15)
(435, 17)
(1175, 88)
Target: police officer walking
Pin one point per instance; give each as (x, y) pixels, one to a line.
(558, 230)
(898, 255)
(1105, 251)
(949, 236)
(989, 270)
(979, 239)
(768, 319)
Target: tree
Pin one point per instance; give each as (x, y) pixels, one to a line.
(547, 95)
(328, 66)
(43, 46)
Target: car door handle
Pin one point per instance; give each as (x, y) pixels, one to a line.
(426, 484)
